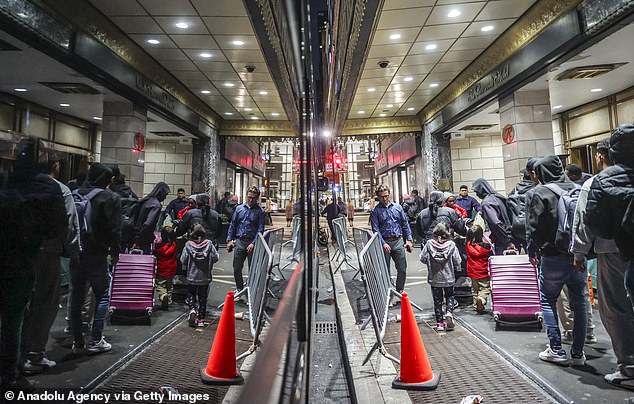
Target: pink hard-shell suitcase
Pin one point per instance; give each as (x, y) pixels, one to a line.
(132, 288)
(514, 291)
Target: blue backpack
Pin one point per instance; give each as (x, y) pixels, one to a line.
(566, 206)
(83, 206)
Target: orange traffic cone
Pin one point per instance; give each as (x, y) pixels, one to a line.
(222, 367)
(415, 372)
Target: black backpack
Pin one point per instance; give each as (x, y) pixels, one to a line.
(515, 205)
(566, 206)
(83, 205)
(130, 209)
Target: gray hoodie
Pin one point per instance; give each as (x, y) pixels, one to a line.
(442, 260)
(199, 259)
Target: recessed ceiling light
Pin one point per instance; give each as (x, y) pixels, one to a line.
(487, 28)
(395, 36)
(248, 109)
(408, 79)
(431, 46)
(326, 133)
(205, 92)
(20, 90)
(254, 117)
(238, 43)
(153, 41)
(182, 25)
(453, 13)
(557, 106)
(371, 89)
(63, 104)
(433, 85)
(227, 84)
(382, 114)
(97, 118)
(206, 55)
(275, 114)
(410, 108)
(264, 92)
(360, 112)
(228, 113)
(596, 90)
(389, 105)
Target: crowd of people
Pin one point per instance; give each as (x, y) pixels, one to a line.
(563, 219)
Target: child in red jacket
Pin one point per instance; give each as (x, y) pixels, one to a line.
(478, 253)
(165, 252)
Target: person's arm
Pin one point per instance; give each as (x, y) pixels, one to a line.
(456, 258)
(582, 235)
(534, 211)
(374, 222)
(475, 205)
(233, 227)
(261, 219)
(424, 255)
(495, 225)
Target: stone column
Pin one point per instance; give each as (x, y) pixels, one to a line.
(529, 114)
(121, 122)
(437, 163)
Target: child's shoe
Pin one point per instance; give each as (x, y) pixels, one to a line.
(165, 302)
(191, 318)
(479, 305)
(557, 356)
(200, 323)
(449, 321)
(441, 326)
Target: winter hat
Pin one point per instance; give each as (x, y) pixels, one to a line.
(622, 145)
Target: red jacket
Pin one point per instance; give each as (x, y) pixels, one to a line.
(478, 260)
(459, 210)
(165, 259)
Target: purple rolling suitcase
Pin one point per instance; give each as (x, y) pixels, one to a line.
(132, 288)
(514, 291)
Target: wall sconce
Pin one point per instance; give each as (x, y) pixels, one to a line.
(138, 142)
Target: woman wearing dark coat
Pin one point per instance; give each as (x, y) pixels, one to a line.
(149, 216)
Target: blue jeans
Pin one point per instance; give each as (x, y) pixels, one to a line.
(554, 273)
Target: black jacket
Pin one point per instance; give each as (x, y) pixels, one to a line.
(516, 206)
(541, 222)
(494, 212)
(434, 214)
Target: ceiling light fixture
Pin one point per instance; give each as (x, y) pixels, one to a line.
(182, 25)
(432, 85)
(371, 89)
(408, 79)
(431, 46)
(389, 105)
(20, 90)
(410, 108)
(557, 106)
(63, 104)
(228, 113)
(248, 109)
(360, 112)
(264, 92)
(454, 13)
(97, 118)
(254, 117)
(153, 41)
(206, 55)
(227, 84)
(382, 114)
(596, 90)
(395, 36)
(238, 43)
(275, 114)
(487, 28)
(205, 92)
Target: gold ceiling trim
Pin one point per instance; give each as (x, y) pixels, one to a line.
(524, 30)
(377, 126)
(86, 16)
(256, 129)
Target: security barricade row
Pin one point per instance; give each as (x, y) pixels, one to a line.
(274, 239)
(295, 241)
(340, 228)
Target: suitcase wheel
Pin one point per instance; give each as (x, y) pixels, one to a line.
(496, 318)
(540, 321)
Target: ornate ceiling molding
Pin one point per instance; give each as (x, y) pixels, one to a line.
(534, 21)
(84, 15)
(377, 126)
(257, 129)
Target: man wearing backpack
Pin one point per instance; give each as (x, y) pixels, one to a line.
(546, 247)
(516, 205)
(610, 214)
(99, 213)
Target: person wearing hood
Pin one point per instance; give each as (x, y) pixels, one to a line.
(93, 259)
(203, 214)
(610, 215)
(198, 257)
(556, 268)
(495, 214)
(149, 215)
(516, 203)
(450, 202)
(442, 258)
(436, 212)
(118, 185)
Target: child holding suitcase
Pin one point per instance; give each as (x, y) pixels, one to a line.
(443, 259)
(165, 252)
(198, 257)
(478, 253)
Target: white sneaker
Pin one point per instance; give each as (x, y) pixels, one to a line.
(559, 356)
(449, 321)
(620, 379)
(191, 317)
(98, 346)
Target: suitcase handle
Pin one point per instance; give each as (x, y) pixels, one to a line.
(136, 251)
(510, 252)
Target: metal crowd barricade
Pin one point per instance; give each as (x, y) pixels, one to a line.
(295, 241)
(274, 239)
(256, 290)
(341, 237)
(361, 237)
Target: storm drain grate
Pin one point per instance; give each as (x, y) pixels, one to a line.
(328, 327)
